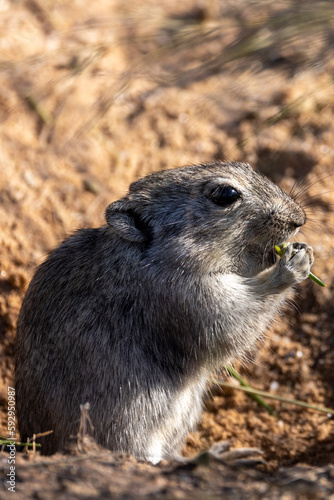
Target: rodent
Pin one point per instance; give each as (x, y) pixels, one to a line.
(133, 317)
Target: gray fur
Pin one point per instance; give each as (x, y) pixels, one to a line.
(134, 316)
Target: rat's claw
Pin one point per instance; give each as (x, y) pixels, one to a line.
(236, 456)
(295, 264)
(220, 451)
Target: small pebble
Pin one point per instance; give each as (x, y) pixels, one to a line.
(274, 385)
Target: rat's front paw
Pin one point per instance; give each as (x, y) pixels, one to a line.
(295, 265)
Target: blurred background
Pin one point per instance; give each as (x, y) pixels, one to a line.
(95, 94)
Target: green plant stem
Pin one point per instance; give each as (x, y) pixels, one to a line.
(265, 394)
(8, 442)
(254, 396)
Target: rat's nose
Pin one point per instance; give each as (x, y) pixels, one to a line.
(299, 218)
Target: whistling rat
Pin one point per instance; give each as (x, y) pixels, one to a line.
(134, 316)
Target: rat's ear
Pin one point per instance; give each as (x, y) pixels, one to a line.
(127, 222)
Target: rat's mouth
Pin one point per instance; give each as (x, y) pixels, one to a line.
(271, 257)
(262, 259)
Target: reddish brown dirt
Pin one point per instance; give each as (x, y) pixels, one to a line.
(85, 108)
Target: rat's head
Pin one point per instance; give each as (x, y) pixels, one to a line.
(217, 217)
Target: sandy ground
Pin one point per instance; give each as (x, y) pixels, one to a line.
(92, 96)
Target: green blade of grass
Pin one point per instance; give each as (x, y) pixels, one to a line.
(254, 396)
(9, 442)
(264, 394)
(316, 280)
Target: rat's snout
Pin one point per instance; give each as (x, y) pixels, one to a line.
(284, 221)
(299, 217)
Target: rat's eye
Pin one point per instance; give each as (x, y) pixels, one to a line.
(224, 195)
